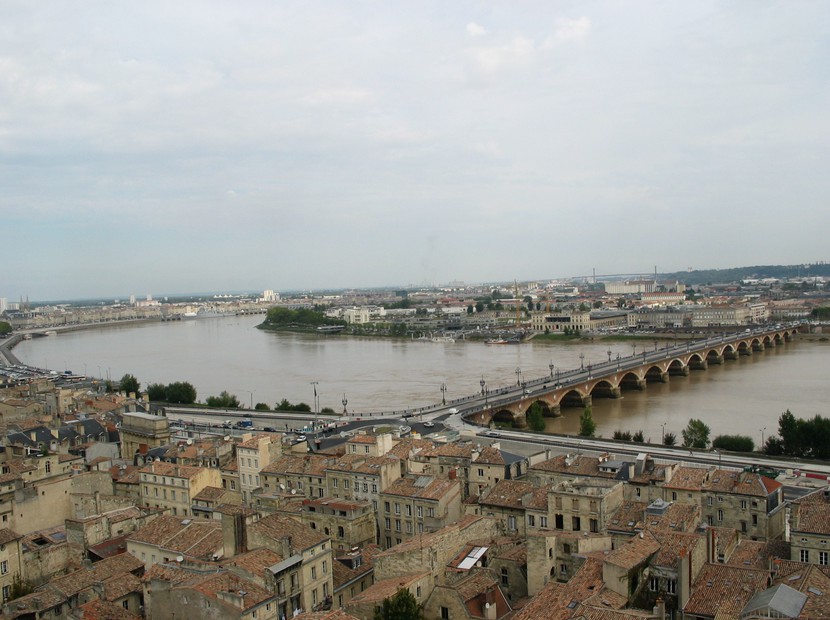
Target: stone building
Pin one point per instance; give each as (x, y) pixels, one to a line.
(172, 487)
(167, 537)
(141, 431)
(252, 455)
(415, 505)
(349, 524)
(810, 528)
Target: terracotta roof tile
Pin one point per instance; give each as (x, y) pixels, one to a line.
(724, 590)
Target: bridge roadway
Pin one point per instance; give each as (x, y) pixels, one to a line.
(577, 387)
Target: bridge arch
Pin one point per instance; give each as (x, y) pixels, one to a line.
(654, 374)
(505, 416)
(631, 381)
(573, 398)
(548, 411)
(605, 389)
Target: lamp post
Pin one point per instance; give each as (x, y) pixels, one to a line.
(518, 377)
(633, 349)
(762, 439)
(582, 361)
(443, 393)
(314, 387)
(551, 366)
(482, 383)
(345, 402)
(609, 355)
(663, 433)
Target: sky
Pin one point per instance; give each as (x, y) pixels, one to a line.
(172, 147)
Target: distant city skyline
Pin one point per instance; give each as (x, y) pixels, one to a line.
(160, 147)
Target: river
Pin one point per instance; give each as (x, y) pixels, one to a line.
(228, 353)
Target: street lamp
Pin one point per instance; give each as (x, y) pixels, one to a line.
(582, 361)
(663, 433)
(609, 355)
(482, 383)
(314, 387)
(551, 366)
(518, 377)
(762, 437)
(633, 349)
(345, 402)
(443, 393)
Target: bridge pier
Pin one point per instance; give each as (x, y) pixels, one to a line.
(730, 355)
(745, 351)
(663, 377)
(758, 346)
(587, 401)
(716, 359)
(698, 365)
(683, 371)
(554, 411)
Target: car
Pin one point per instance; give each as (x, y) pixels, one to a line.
(301, 438)
(429, 424)
(269, 429)
(491, 434)
(452, 410)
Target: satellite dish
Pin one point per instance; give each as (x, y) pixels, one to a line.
(226, 438)
(189, 442)
(282, 487)
(293, 491)
(158, 459)
(179, 558)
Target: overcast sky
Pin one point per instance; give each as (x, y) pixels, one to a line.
(162, 147)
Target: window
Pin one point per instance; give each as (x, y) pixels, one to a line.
(575, 504)
(420, 511)
(408, 510)
(822, 558)
(576, 524)
(7, 592)
(505, 580)
(743, 504)
(511, 522)
(48, 467)
(388, 523)
(720, 514)
(4, 568)
(671, 586)
(754, 519)
(637, 491)
(397, 525)
(566, 548)
(594, 526)
(543, 522)
(374, 488)
(445, 613)
(365, 487)
(805, 555)
(430, 512)
(341, 532)
(325, 568)
(397, 508)
(408, 527)
(314, 572)
(531, 520)
(709, 501)
(674, 496)
(386, 506)
(481, 473)
(654, 584)
(335, 482)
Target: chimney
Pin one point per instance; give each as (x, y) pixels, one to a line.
(684, 578)
(453, 474)
(660, 609)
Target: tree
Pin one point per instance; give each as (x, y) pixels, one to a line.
(5, 328)
(587, 426)
(696, 434)
(773, 446)
(327, 410)
(669, 439)
(401, 606)
(470, 309)
(638, 437)
(129, 384)
(622, 435)
(788, 429)
(535, 418)
(224, 400)
(260, 407)
(480, 306)
(157, 392)
(181, 393)
(734, 443)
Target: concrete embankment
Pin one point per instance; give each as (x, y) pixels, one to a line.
(7, 358)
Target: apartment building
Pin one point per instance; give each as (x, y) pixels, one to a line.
(172, 487)
(414, 505)
(810, 528)
(252, 455)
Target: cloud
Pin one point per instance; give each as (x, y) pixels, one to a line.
(476, 30)
(337, 96)
(569, 31)
(493, 58)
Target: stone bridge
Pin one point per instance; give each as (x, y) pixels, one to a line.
(578, 388)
